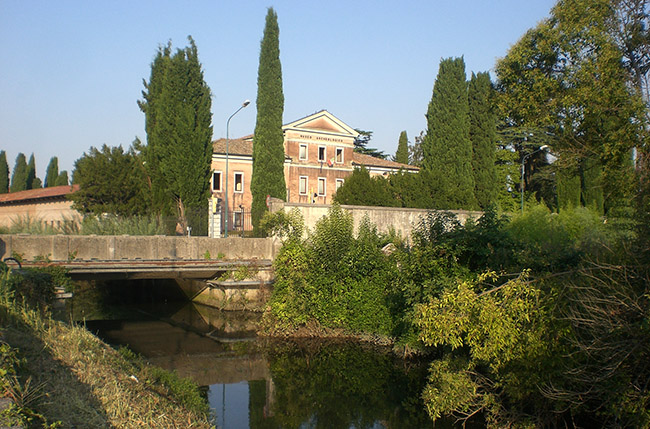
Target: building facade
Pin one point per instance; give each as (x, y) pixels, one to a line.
(48, 206)
(319, 156)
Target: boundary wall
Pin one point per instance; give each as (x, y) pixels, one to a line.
(401, 220)
(129, 247)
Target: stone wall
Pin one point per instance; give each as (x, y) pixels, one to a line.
(119, 247)
(401, 220)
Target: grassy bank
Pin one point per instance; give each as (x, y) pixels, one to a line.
(62, 376)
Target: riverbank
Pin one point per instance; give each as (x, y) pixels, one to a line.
(63, 376)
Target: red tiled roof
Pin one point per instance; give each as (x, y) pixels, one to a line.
(371, 161)
(235, 146)
(38, 194)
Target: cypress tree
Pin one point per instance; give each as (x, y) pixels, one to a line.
(33, 182)
(62, 179)
(52, 172)
(568, 187)
(152, 106)
(19, 176)
(402, 153)
(592, 185)
(482, 133)
(268, 141)
(4, 173)
(177, 106)
(447, 147)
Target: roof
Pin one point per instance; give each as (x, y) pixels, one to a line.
(371, 161)
(38, 194)
(235, 146)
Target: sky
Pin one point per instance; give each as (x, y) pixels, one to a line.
(72, 71)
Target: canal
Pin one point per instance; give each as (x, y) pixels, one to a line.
(252, 382)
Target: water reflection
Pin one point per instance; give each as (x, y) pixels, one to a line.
(273, 384)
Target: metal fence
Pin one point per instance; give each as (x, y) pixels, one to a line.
(239, 222)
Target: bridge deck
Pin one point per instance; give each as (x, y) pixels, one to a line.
(152, 269)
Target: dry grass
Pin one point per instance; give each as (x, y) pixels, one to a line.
(87, 384)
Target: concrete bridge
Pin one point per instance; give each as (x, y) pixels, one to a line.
(228, 273)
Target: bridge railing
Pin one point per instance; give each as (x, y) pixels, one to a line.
(125, 247)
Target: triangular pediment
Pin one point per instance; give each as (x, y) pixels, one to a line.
(323, 122)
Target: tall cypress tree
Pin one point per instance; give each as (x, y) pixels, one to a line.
(4, 173)
(151, 106)
(268, 141)
(447, 147)
(402, 153)
(482, 133)
(33, 182)
(19, 176)
(52, 172)
(177, 105)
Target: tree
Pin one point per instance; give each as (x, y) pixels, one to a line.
(268, 140)
(33, 182)
(402, 153)
(62, 179)
(110, 181)
(19, 176)
(52, 172)
(4, 173)
(361, 144)
(447, 147)
(415, 150)
(482, 133)
(362, 190)
(177, 104)
(567, 76)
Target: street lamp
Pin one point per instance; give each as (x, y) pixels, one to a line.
(523, 167)
(244, 104)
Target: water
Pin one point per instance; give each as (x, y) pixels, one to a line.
(253, 383)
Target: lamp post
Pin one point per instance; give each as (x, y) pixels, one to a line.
(244, 104)
(523, 170)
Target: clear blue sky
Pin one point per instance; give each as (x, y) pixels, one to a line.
(71, 71)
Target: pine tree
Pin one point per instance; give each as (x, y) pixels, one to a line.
(52, 172)
(447, 147)
(4, 173)
(482, 133)
(402, 153)
(568, 187)
(33, 182)
(268, 141)
(177, 105)
(592, 185)
(62, 179)
(19, 176)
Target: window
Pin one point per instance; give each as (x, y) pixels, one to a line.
(239, 182)
(321, 186)
(321, 153)
(216, 181)
(339, 183)
(302, 185)
(339, 155)
(237, 219)
(302, 154)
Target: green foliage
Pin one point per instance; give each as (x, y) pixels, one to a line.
(402, 153)
(567, 75)
(4, 173)
(19, 175)
(33, 182)
(52, 173)
(361, 145)
(334, 279)
(568, 188)
(482, 134)
(116, 225)
(286, 226)
(410, 190)
(111, 181)
(184, 390)
(177, 104)
(268, 141)
(62, 179)
(447, 146)
(592, 185)
(362, 190)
